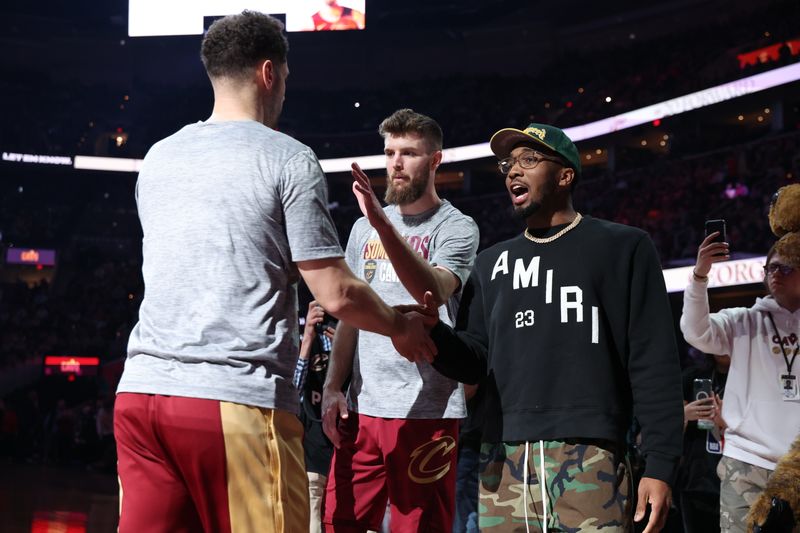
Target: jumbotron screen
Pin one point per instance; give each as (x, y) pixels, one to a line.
(150, 18)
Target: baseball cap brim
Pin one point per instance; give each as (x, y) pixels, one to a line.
(506, 139)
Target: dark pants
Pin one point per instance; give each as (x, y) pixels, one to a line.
(699, 512)
(466, 518)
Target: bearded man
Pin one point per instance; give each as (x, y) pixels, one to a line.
(396, 434)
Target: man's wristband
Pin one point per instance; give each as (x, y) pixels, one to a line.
(698, 277)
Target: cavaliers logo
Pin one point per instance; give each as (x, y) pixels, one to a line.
(319, 363)
(431, 461)
(369, 270)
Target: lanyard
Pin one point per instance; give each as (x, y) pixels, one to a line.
(716, 386)
(783, 349)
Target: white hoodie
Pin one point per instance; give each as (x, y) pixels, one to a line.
(761, 425)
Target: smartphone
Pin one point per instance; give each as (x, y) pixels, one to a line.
(717, 225)
(703, 391)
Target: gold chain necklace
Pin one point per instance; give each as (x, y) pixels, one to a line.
(551, 238)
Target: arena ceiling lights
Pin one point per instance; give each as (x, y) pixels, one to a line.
(667, 108)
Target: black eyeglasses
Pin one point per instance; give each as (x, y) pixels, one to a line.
(527, 160)
(771, 268)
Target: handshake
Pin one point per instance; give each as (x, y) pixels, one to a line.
(415, 322)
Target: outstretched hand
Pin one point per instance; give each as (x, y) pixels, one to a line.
(709, 253)
(367, 200)
(413, 342)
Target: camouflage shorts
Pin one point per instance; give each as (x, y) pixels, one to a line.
(587, 488)
(740, 485)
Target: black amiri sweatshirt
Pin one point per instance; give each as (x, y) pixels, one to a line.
(577, 336)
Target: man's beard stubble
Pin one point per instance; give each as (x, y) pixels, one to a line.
(522, 213)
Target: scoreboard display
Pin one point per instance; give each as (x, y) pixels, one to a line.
(150, 18)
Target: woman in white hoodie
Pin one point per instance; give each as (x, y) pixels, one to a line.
(762, 402)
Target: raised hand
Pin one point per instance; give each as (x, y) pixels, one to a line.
(367, 201)
(315, 315)
(709, 253)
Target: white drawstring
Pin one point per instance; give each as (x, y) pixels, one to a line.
(543, 485)
(525, 488)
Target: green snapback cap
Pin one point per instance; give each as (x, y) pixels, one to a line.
(551, 137)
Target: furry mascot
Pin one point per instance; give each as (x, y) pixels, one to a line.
(777, 509)
(784, 219)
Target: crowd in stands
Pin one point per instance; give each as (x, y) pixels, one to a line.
(55, 431)
(669, 197)
(631, 77)
(83, 306)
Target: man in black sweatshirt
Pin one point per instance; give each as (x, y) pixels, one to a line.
(570, 322)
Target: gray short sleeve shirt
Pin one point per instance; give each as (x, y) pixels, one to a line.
(384, 384)
(227, 209)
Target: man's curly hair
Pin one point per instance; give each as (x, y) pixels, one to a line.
(236, 43)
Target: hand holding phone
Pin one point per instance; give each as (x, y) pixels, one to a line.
(703, 392)
(712, 249)
(717, 225)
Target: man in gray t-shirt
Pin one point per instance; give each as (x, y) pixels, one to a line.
(233, 214)
(397, 437)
